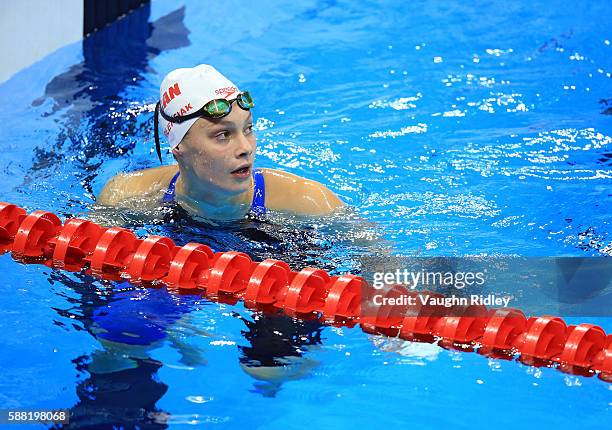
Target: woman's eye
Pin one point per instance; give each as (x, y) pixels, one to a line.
(224, 135)
(249, 129)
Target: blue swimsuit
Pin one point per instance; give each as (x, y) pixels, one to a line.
(258, 206)
(137, 317)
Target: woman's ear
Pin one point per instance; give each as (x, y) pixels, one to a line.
(177, 152)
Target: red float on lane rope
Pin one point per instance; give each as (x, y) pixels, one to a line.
(306, 293)
(383, 314)
(603, 361)
(503, 327)
(113, 251)
(268, 283)
(76, 240)
(151, 260)
(230, 274)
(465, 325)
(582, 345)
(420, 320)
(344, 298)
(11, 217)
(544, 338)
(187, 266)
(34, 233)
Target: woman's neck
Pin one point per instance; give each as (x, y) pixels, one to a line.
(208, 203)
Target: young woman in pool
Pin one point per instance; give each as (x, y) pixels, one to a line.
(209, 126)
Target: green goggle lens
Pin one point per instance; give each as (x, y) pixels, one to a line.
(220, 107)
(217, 108)
(245, 100)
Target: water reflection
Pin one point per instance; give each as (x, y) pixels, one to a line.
(277, 350)
(121, 383)
(121, 386)
(128, 397)
(98, 118)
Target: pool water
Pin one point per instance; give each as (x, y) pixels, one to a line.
(453, 128)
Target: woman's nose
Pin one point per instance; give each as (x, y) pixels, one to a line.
(245, 146)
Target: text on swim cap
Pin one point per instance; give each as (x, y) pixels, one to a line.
(170, 94)
(226, 91)
(182, 112)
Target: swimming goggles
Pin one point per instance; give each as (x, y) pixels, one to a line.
(215, 109)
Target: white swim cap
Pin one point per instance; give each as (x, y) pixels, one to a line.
(184, 91)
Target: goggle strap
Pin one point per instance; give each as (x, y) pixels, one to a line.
(179, 119)
(156, 132)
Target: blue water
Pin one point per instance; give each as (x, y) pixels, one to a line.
(453, 128)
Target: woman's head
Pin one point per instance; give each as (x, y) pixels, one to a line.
(220, 152)
(209, 149)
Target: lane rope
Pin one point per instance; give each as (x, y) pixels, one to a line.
(117, 254)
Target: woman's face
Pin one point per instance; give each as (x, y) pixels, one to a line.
(220, 152)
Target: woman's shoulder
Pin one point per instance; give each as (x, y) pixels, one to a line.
(289, 192)
(282, 178)
(145, 183)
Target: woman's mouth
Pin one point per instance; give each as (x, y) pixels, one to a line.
(243, 172)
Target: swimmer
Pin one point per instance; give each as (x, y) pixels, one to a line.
(208, 123)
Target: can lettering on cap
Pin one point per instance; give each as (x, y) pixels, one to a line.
(170, 94)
